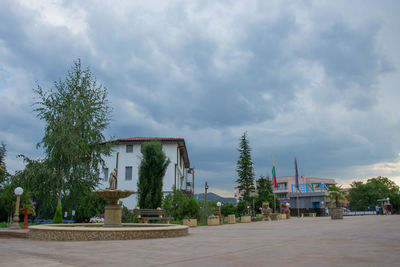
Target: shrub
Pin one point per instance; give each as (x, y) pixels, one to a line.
(58, 216)
(180, 206)
(241, 208)
(127, 215)
(228, 209)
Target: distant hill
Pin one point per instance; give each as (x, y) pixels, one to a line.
(215, 197)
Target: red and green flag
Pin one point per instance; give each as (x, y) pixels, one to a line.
(274, 175)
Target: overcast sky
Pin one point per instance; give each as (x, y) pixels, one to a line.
(319, 79)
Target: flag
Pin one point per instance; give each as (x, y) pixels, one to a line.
(274, 174)
(297, 173)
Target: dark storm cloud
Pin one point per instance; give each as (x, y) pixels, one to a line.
(298, 78)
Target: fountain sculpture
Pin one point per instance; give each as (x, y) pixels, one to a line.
(112, 229)
(113, 211)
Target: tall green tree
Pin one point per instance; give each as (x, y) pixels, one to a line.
(363, 195)
(37, 178)
(264, 188)
(244, 169)
(3, 171)
(76, 112)
(336, 196)
(151, 173)
(7, 197)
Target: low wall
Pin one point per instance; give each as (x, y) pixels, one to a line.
(245, 219)
(94, 232)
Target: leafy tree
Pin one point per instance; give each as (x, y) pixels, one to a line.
(366, 194)
(264, 188)
(75, 112)
(86, 205)
(38, 179)
(3, 172)
(336, 195)
(241, 208)
(151, 173)
(7, 200)
(228, 209)
(179, 206)
(244, 169)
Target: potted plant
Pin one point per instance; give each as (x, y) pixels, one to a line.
(336, 196)
(28, 208)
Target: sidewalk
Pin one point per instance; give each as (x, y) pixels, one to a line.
(359, 241)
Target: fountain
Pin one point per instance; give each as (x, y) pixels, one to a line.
(112, 229)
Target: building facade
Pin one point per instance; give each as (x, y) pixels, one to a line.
(126, 156)
(287, 186)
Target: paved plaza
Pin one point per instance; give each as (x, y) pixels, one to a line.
(355, 241)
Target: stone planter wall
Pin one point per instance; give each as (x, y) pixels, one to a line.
(213, 221)
(190, 222)
(274, 216)
(282, 216)
(336, 213)
(231, 219)
(245, 219)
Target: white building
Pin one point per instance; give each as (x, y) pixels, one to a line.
(127, 150)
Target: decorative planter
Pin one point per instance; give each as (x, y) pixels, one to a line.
(190, 222)
(282, 216)
(245, 219)
(274, 216)
(26, 212)
(336, 213)
(260, 217)
(231, 219)
(213, 221)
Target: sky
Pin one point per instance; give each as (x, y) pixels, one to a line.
(315, 79)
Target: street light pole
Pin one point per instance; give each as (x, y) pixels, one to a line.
(205, 192)
(18, 192)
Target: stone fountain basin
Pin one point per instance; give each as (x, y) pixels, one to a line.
(96, 231)
(113, 195)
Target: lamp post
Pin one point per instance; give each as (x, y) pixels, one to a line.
(18, 192)
(220, 215)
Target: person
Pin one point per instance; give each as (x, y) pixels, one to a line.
(377, 209)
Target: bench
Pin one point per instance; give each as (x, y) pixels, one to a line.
(310, 214)
(146, 215)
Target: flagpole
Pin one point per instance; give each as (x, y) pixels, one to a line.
(275, 183)
(297, 185)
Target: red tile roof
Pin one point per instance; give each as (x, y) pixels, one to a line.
(143, 139)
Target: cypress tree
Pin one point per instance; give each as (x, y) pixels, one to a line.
(151, 173)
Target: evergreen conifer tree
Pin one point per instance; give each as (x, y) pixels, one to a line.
(244, 169)
(151, 173)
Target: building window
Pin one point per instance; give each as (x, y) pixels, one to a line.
(128, 173)
(282, 186)
(129, 148)
(282, 195)
(105, 171)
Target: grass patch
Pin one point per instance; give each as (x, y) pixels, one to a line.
(6, 225)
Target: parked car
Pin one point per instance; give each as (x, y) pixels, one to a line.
(346, 211)
(96, 220)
